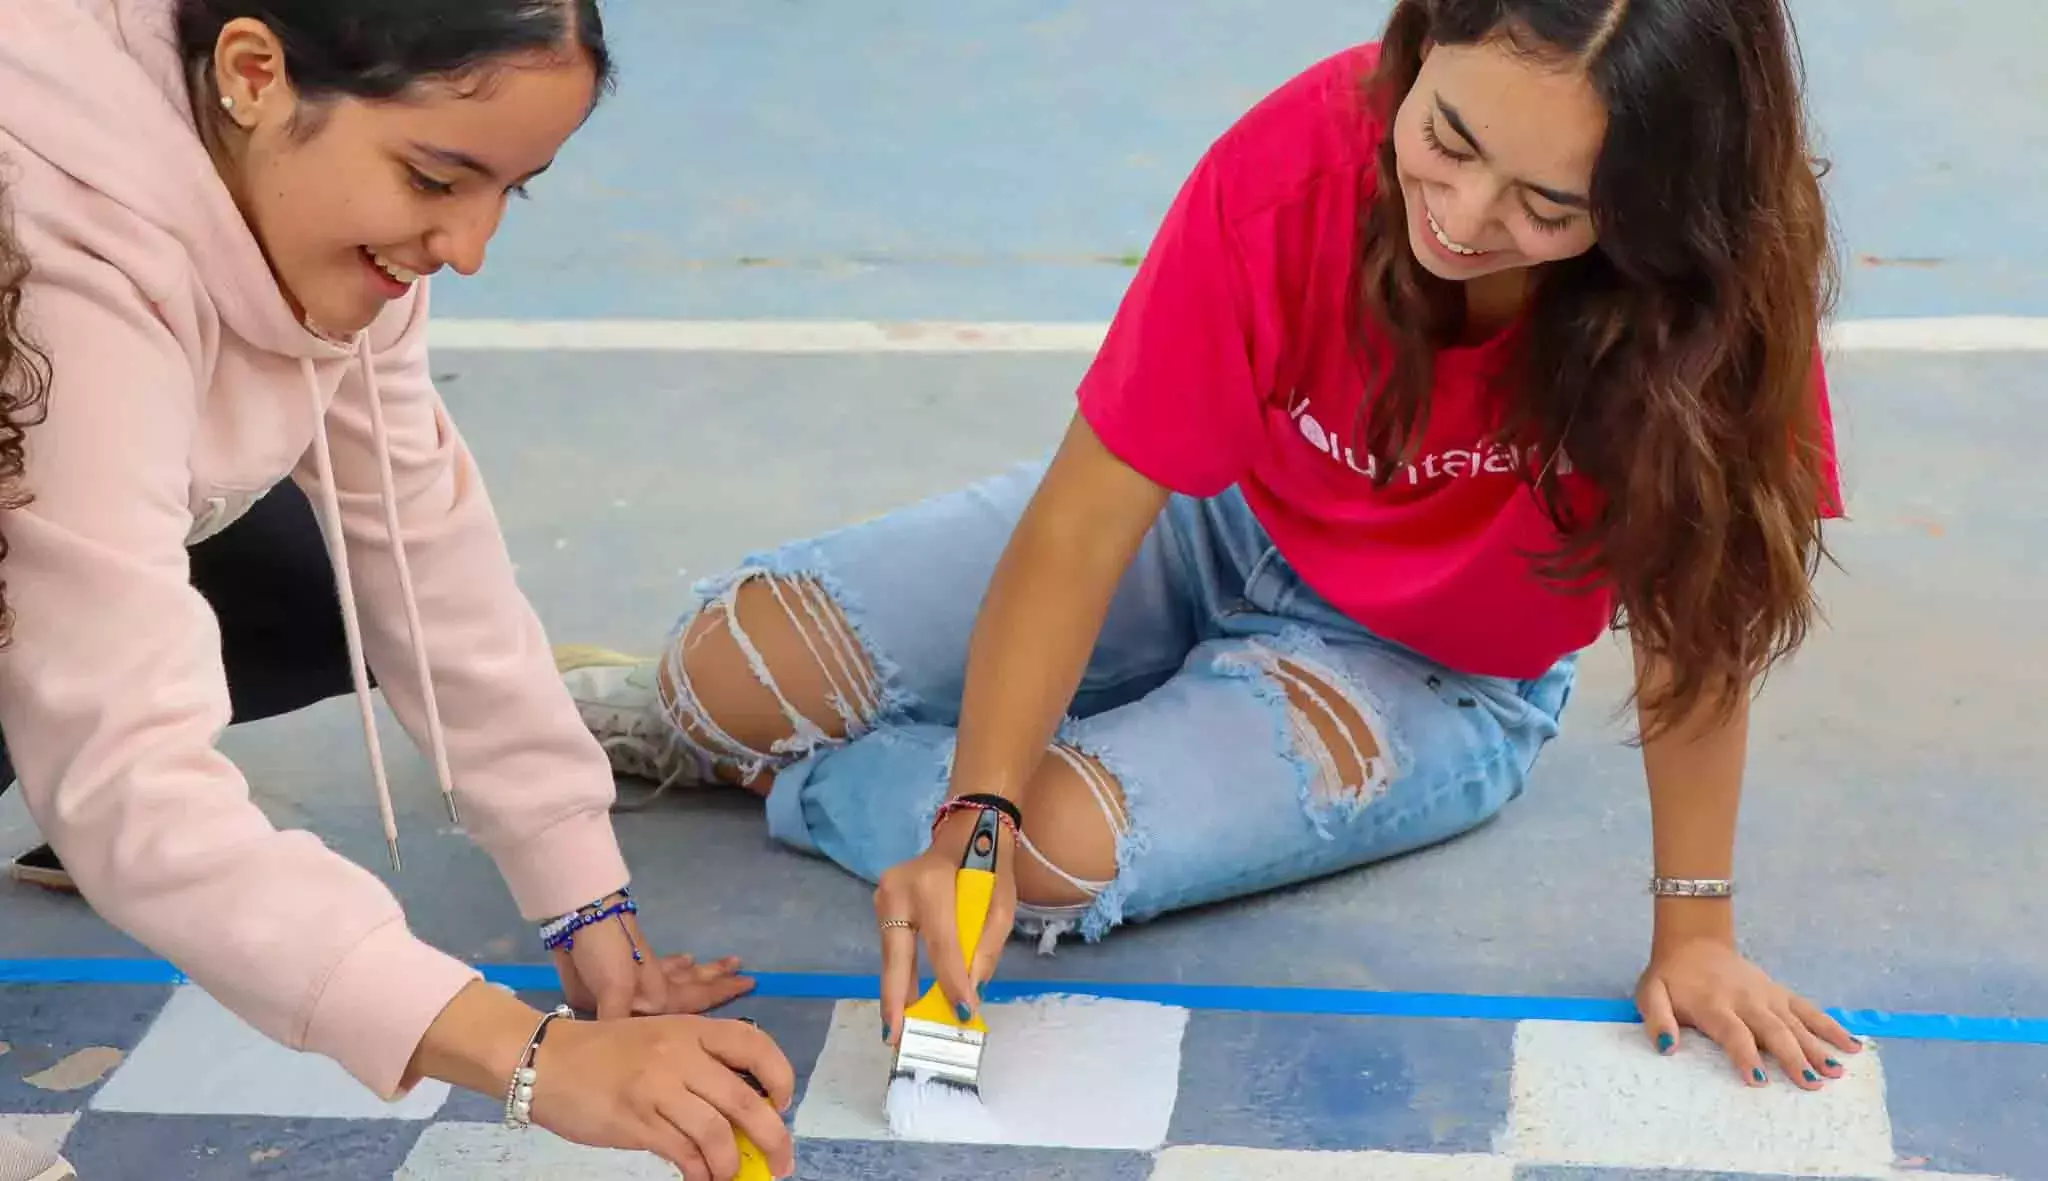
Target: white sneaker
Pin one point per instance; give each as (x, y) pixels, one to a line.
(23, 1161)
(618, 698)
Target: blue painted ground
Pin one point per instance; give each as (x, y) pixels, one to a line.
(1001, 159)
(996, 160)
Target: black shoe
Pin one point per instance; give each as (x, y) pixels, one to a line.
(40, 867)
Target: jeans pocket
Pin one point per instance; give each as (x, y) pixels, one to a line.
(1269, 586)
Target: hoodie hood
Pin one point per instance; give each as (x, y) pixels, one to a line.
(96, 88)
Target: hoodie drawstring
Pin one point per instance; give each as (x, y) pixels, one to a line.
(337, 552)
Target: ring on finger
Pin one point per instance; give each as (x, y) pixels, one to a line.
(904, 924)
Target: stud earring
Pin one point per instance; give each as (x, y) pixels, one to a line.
(227, 102)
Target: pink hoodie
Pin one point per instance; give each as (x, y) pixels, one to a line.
(184, 389)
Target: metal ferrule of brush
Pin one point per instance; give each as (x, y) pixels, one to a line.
(932, 1049)
(934, 1045)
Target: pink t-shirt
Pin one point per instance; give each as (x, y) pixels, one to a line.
(1231, 362)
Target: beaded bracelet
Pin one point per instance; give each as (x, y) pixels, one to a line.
(519, 1093)
(561, 933)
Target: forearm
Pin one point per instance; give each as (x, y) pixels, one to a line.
(1694, 765)
(476, 1041)
(1043, 612)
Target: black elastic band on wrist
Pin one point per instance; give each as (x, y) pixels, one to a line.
(999, 803)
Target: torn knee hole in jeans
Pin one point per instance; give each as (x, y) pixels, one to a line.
(1052, 921)
(851, 687)
(1339, 733)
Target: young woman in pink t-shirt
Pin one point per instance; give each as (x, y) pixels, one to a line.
(1455, 351)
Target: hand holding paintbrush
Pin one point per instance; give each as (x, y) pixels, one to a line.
(960, 898)
(919, 900)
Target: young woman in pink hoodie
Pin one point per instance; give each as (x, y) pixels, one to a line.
(229, 208)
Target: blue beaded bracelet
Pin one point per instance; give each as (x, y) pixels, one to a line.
(561, 934)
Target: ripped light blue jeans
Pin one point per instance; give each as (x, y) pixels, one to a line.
(1226, 790)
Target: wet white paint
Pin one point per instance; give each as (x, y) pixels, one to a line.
(1060, 1072)
(200, 1059)
(1597, 1094)
(1251, 1164)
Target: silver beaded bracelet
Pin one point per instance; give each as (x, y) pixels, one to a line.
(1691, 887)
(519, 1093)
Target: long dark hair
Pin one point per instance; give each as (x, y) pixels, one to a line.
(24, 394)
(379, 49)
(1673, 364)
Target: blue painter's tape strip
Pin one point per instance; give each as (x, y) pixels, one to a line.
(1328, 1002)
(89, 971)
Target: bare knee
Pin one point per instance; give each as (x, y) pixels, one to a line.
(1332, 731)
(1072, 829)
(768, 668)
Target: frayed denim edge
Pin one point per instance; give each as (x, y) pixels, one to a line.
(1301, 643)
(1106, 911)
(808, 562)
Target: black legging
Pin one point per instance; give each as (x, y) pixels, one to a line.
(270, 584)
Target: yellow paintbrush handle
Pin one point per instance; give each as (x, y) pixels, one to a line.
(753, 1163)
(973, 891)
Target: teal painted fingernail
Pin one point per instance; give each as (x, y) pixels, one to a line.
(1811, 1077)
(1757, 1074)
(966, 1013)
(885, 1031)
(1664, 1043)
(1834, 1065)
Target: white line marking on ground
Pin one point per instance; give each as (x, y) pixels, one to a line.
(1588, 1094)
(1058, 1072)
(763, 336)
(1940, 334)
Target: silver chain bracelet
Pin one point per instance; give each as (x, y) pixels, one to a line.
(1691, 887)
(519, 1092)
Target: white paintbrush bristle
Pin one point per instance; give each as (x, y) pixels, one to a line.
(931, 1110)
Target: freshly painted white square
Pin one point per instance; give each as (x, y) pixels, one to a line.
(200, 1059)
(1197, 1163)
(44, 1131)
(1597, 1094)
(459, 1152)
(1066, 1072)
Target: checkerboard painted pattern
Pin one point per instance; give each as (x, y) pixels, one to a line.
(161, 1083)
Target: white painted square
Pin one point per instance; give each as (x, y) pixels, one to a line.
(460, 1152)
(1062, 1072)
(200, 1059)
(1196, 1163)
(43, 1131)
(1597, 1094)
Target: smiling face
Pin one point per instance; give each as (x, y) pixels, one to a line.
(1495, 151)
(354, 206)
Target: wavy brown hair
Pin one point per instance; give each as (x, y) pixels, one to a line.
(1674, 364)
(24, 394)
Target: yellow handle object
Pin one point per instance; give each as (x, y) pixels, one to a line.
(753, 1162)
(974, 890)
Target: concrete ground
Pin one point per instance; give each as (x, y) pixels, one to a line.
(995, 160)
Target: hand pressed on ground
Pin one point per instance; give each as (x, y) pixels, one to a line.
(1705, 984)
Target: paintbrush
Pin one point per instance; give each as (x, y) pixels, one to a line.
(935, 1087)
